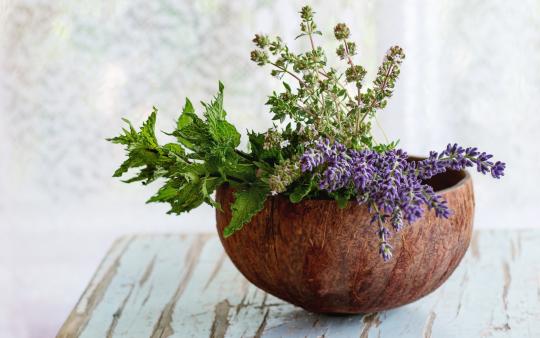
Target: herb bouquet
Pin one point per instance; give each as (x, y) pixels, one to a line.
(318, 196)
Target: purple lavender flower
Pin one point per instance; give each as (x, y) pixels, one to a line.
(336, 176)
(435, 202)
(385, 249)
(362, 170)
(311, 159)
(457, 158)
(431, 166)
(388, 183)
(497, 170)
(397, 219)
(317, 155)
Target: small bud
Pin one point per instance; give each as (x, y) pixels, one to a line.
(260, 41)
(276, 46)
(303, 27)
(395, 54)
(340, 51)
(341, 31)
(351, 46)
(309, 78)
(259, 57)
(355, 73)
(306, 13)
(281, 62)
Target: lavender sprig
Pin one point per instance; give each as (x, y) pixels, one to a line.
(388, 183)
(457, 158)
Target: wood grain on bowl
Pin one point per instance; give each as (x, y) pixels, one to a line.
(325, 259)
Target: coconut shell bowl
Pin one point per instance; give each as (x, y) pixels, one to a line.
(325, 259)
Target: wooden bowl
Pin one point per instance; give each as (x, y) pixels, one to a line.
(325, 259)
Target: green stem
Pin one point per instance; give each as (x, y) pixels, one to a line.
(244, 155)
(381, 88)
(288, 72)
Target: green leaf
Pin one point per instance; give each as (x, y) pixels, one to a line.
(208, 186)
(247, 203)
(147, 132)
(287, 86)
(191, 131)
(204, 157)
(142, 149)
(174, 150)
(164, 194)
(181, 193)
(245, 172)
(302, 190)
(222, 132)
(342, 201)
(214, 110)
(186, 118)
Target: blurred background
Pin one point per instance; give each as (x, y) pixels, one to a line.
(69, 70)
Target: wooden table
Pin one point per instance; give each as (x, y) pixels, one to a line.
(185, 286)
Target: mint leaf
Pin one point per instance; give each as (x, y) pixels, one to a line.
(207, 188)
(301, 190)
(204, 157)
(243, 171)
(191, 131)
(342, 197)
(142, 149)
(214, 110)
(247, 203)
(147, 133)
(181, 193)
(222, 132)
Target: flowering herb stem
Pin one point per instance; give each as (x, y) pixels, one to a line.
(288, 72)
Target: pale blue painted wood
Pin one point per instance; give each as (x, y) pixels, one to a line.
(185, 286)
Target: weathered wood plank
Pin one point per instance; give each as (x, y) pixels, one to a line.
(185, 286)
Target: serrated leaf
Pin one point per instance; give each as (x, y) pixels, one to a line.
(301, 191)
(192, 175)
(174, 150)
(214, 110)
(187, 195)
(147, 132)
(247, 203)
(164, 194)
(142, 150)
(186, 118)
(222, 132)
(191, 131)
(342, 201)
(208, 186)
(342, 198)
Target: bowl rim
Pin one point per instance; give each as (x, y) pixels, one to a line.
(466, 177)
(464, 180)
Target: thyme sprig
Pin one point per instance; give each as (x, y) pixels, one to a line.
(322, 98)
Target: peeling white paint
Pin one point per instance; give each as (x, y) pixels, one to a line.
(182, 286)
